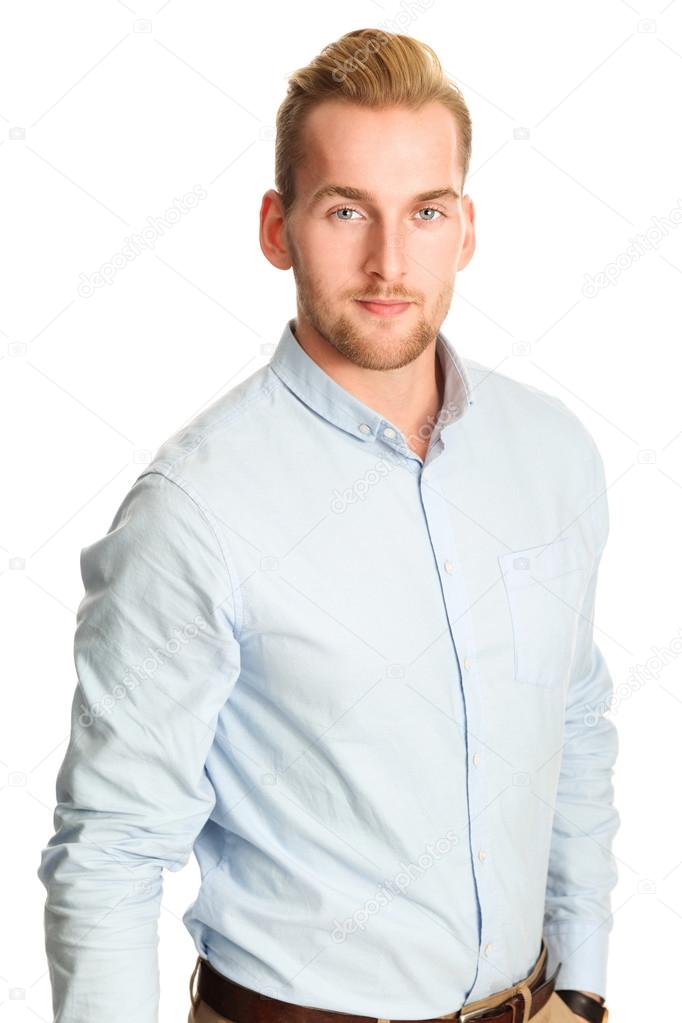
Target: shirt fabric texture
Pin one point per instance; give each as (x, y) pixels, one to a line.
(362, 687)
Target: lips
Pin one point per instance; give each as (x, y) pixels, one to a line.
(379, 307)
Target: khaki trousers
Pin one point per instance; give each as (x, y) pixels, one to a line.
(554, 1011)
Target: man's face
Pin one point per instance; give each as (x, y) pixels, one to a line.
(392, 246)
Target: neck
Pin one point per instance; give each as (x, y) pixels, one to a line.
(410, 397)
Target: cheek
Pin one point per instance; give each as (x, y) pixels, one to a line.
(443, 244)
(324, 245)
(436, 260)
(326, 271)
(334, 256)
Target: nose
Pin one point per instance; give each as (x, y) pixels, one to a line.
(386, 252)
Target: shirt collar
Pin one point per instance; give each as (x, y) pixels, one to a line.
(320, 392)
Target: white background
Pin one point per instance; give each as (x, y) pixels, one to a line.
(105, 119)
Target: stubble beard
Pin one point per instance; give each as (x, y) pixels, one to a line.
(384, 345)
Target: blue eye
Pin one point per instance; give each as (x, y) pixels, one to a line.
(433, 209)
(424, 209)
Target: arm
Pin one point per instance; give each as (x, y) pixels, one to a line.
(156, 659)
(582, 869)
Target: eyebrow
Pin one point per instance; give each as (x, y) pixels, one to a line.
(360, 195)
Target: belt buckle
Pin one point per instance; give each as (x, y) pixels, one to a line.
(464, 1017)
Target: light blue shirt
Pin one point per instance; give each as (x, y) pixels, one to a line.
(362, 687)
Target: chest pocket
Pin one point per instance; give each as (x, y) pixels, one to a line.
(544, 586)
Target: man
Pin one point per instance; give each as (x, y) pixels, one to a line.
(338, 638)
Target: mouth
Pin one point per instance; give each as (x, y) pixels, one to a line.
(384, 307)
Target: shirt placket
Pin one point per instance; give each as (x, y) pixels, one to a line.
(457, 600)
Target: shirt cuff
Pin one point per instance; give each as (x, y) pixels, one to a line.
(582, 950)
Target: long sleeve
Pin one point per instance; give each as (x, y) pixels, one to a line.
(582, 868)
(157, 654)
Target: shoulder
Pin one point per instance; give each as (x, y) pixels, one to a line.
(220, 436)
(505, 400)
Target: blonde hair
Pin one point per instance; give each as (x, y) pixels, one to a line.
(372, 68)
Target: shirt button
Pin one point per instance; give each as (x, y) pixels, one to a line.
(388, 432)
(364, 428)
(477, 759)
(482, 854)
(488, 949)
(467, 663)
(449, 567)
(425, 474)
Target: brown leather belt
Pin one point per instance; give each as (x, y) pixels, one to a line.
(243, 1005)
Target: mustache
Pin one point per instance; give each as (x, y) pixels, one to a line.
(385, 298)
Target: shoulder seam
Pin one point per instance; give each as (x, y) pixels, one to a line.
(228, 417)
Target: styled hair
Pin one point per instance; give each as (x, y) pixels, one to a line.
(371, 68)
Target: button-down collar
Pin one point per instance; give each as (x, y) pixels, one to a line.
(324, 395)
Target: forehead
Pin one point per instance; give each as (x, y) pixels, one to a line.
(386, 150)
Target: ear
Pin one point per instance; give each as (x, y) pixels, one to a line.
(272, 237)
(469, 245)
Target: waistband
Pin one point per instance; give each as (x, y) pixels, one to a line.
(515, 1004)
